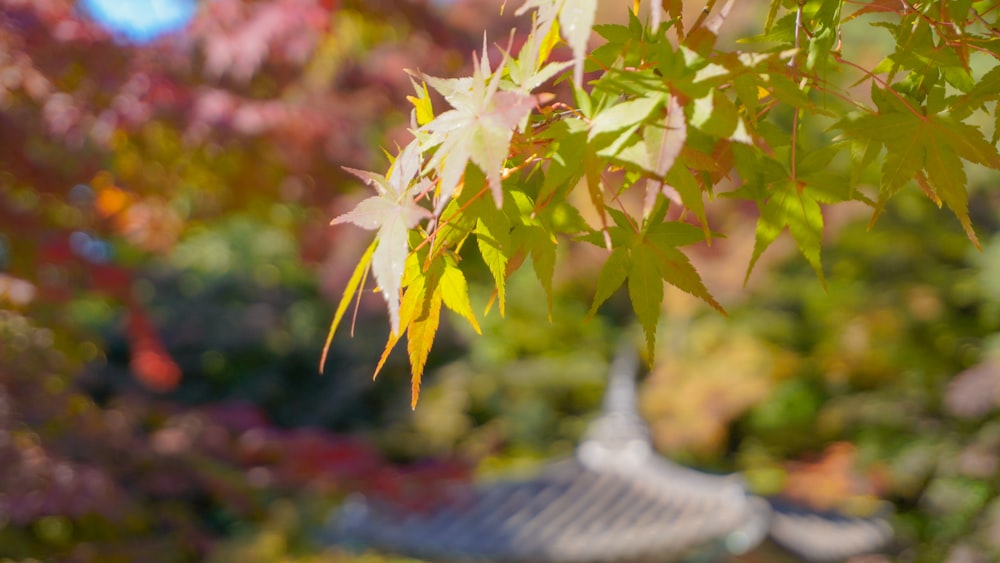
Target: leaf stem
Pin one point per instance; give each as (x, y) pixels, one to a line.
(882, 83)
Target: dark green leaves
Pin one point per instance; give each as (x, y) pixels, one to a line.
(795, 208)
(646, 259)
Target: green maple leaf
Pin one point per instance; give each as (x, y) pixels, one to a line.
(797, 209)
(656, 252)
(645, 290)
(626, 115)
(535, 236)
(492, 232)
(646, 259)
(612, 276)
(933, 146)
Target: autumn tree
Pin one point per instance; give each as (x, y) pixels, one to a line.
(663, 115)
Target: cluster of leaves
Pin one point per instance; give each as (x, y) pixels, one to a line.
(672, 116)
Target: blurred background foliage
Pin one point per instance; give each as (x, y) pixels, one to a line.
(167, 274)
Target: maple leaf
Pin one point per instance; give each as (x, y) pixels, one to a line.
(478, 128)
(393, 213)
(625, 116)
(455, 292)
(357, 279)
(646, 259)
(493, 238)
(932, 144)
(799, 211)
(534, 235)
(420, 337)
(576, 19)
(645, 290)
(528, 70)
(656, 152)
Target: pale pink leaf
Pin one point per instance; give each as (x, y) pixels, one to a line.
(510, 108)
(373, 179)
(370, 213)
(393, 212)
(478, 128)
(665, 144)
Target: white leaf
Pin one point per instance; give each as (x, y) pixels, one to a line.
(388, 264)
(370, 213)
(575, 22)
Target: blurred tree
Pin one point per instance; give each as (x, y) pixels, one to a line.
(166, 172)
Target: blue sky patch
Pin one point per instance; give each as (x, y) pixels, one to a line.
(140, 21)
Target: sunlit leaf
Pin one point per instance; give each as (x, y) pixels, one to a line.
(413, 303)
(625, 115)
(478, 128)
(393, 218)
(422, 104)
(455, 293)
(419, 340)
(493, 238)
(349, 290)
(576, 18)
(794, 209)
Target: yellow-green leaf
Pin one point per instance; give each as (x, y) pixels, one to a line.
(493, 237)
(797, 209)
(411, 305)
(455, 293)
(422, 105)
(420, 339)
(935, 144)
(352, 286)
(626, 114)
(543, 260)
(678, 272)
